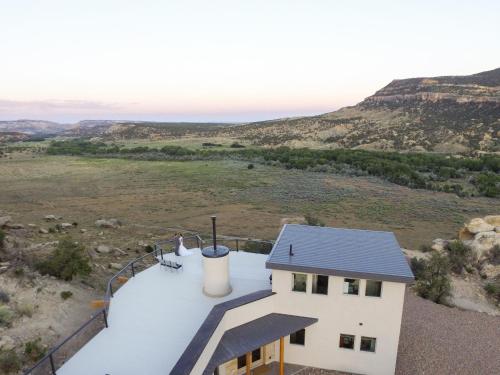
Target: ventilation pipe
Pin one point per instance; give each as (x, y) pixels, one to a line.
(216, 267)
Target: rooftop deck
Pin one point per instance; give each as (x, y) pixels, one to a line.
(153, 317)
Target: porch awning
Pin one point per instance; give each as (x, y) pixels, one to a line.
(254, 334)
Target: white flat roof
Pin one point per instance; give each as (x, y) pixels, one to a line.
(154, 316)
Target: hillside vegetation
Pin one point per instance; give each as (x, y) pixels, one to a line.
(465, 176)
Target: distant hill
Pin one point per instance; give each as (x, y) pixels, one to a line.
(32, 127)
(448, 114)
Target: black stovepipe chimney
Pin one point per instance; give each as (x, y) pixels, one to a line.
(214, 233)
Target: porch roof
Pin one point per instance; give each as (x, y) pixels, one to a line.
(254, 334)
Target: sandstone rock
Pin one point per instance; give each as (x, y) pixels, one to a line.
(32, 225)
(142, 244)
(115, 266)
(497, 229)
(478, 225)
(7, 343)
(465, 235)
(483, 242)
(119, 251)
(4, 264)
(50, 218)
(293, 220)
(83, 230)
(493, 220)
(14, 226)
(43, 231)
(66, 225)
(103, 249)
(4, 220)
(439, 244)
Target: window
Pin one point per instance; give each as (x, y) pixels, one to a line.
(367, 344)
(346, 341)
(351, 286)
(373, 288)
(320, 284)
(299, 282)
(256, 355)
(298, 338)
(242, 361)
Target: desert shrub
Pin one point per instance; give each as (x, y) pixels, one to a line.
(52, 230)
(425, 248)
(494, 255)
(19, 272)
(236, 145)
(434, 280)
(313, 220)
(460, 255)
(417, 266)
(257, 247)
(34, 349)
(66, 294)
(6, 316)
(66, 261)
(4, 297)
(493, 288)
(2, 238)
(25, 310)
(148, 249)
(250, 166)
(9, 362)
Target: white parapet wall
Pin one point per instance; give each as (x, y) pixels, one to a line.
(337, 313)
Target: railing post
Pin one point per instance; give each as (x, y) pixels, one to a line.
(161, 253)
(105, 317)
(111, 288)
(237, 245)
(198, 242)
(133, 271)
(53, 368)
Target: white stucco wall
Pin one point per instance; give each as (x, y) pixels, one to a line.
(338, 313)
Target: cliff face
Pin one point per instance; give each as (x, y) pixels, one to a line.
(448, 114)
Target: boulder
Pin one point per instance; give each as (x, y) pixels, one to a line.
(103, 249)
(32, 225)
(483, 242)
(4, 220)
(83, 230)
(465, 235)
(115, 266)
(478, 225)
(66, 225)
(143, 244)
(490, 271)
(14, 226)
(439, 244)
(7, 343)
(493, 220)
(50, 218)
(107, 223)
(43, 231)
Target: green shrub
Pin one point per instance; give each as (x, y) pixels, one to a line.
(313, 220)
(417, 266)
(52, 230)
(6, 316)
(4, 297)
(148, 249)
(2, 238)
(460, 255)
(34, 349)
(19, 272)
(66, 294)
(250, 166)
(9, 362)
(434, 280)
(257, 247)
(494, 255)
(425, 248)
(66, 261)
(493, 288)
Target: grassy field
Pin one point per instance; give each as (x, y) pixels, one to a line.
(150, 195)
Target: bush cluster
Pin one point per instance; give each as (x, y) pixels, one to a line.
(9, 362)
(432, 277)
(66, 261)
(34, 349)
(459, 254)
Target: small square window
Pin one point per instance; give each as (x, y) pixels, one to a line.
(256, 355)
(367, 344)
(242, 361)
(346, 341)
(320, 284)
(373, 288)
(298, 338)
(351, 286)
(299, 282)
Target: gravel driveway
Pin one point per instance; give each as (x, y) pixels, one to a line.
(436, 339)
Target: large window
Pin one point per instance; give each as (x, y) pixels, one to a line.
(320, 284)
(299, 282)
(346, 341)
(368, 344)
(351, 286)
(298, 338)
(373, 288)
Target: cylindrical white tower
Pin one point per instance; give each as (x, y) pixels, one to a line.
(216, 268)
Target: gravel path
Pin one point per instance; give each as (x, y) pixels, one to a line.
(436, 339)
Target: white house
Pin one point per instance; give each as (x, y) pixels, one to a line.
(325, 297)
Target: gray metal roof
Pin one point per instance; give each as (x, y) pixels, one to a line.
(341, 252)
(193, 351)
(254, 334)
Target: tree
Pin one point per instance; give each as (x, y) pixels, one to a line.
(434, 282)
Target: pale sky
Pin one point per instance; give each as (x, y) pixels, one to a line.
(228, 60)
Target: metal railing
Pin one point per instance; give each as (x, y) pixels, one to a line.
(56, 357)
